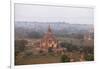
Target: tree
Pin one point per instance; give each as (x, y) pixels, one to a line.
(65, 58)
(34, 34)
(89, 57)
(20, 45)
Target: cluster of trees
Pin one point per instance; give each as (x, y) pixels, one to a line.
(70, 47)
(88, 50)
(35, 34)
(20, 46)
(89, 57)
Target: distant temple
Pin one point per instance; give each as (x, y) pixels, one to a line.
(88, 39)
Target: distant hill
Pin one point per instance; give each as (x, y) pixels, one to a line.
(37, 29)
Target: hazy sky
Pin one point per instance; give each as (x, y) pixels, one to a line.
(24, 12)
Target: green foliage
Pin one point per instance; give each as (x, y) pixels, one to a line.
(65, 58)
(20, 45)
(34, 34)
(69, 46)
(89, 57)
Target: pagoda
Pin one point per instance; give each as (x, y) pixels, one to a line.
(49, 40)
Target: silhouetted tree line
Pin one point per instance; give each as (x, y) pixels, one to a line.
(35, 34)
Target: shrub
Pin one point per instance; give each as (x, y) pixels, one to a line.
(89, 57)
(65, 58)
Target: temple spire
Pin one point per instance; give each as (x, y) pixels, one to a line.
(49, 28)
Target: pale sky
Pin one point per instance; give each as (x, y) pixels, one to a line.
(40, 13)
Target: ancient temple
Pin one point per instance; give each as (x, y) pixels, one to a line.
(49, 40)
(88, 40)
(48, 43)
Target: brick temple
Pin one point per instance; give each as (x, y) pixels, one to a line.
(49, 40)
(49, 43)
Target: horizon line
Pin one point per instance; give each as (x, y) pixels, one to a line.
(63, 22)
